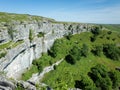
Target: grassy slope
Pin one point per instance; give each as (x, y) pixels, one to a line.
(66, 74)
(113, 27)
(8, 17)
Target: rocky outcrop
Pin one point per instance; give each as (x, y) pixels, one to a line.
(38, 35)
(6, 84)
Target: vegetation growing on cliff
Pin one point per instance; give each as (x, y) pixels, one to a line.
(31, 36)
(40, 34)
(81, 55)
(2, 54)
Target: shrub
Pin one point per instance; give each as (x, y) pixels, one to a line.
(50, 62)
(19, 87)
(113, 39)
(70, 59)
(68, 36)
(109, 32)
(38, 65)
(99, 75)
(11, 33)
(55, 49)
(30, 35)
(70, 27)
(28, 73)
(75, 52)
(97, 50)
(85, 50)
(2, 54)
(111, 51)
(85, 84)
(115, 78)
(55, 67)
(93, 38)
(108, 38)
(95, 30)
(40, 34)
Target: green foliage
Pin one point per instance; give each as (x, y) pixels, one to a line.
(10, 44)
(85, 50)
(40, 34)
(115, 78)
(68, 36)
(31, 35)
(96, 30)
(11, 33)
(55, 67)
(98, 50)
(112, 27)
(75, 53)
(9, 17)
(112, 51)
(65, 77)
(70, 27)
(38, 65)
(70, 59)
(3, 54)
(109, 32)
(99, 74)
(6, 45)
(85, 84)
(56, 48)
(17, 43)
(19, 87)
(29, 72)
(93, 38)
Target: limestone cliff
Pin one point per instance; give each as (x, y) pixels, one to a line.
(24, 38)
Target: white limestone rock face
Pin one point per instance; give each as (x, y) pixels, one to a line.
(20, 57)
(4, 37)
(22, 61)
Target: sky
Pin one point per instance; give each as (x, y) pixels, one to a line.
(85, 11)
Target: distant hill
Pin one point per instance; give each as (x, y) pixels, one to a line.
(113, 27)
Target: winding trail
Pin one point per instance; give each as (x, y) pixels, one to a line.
(38, 76)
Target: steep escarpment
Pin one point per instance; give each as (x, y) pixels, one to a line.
(24, 38)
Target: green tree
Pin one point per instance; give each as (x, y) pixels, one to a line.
(98, 50)
(55, 49)
(68, 36)
(95, 30)
(69, 59)
(99, 75)
(85, 50)
(111, 51)
(115, 78)
(85, 84)
(76, 52)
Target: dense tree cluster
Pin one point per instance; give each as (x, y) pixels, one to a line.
(55, 48)
(101, 79)
(76, 53)
(98, 50)
(96, 30)
(111, 51)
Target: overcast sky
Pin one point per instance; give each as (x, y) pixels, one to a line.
(86, 11)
